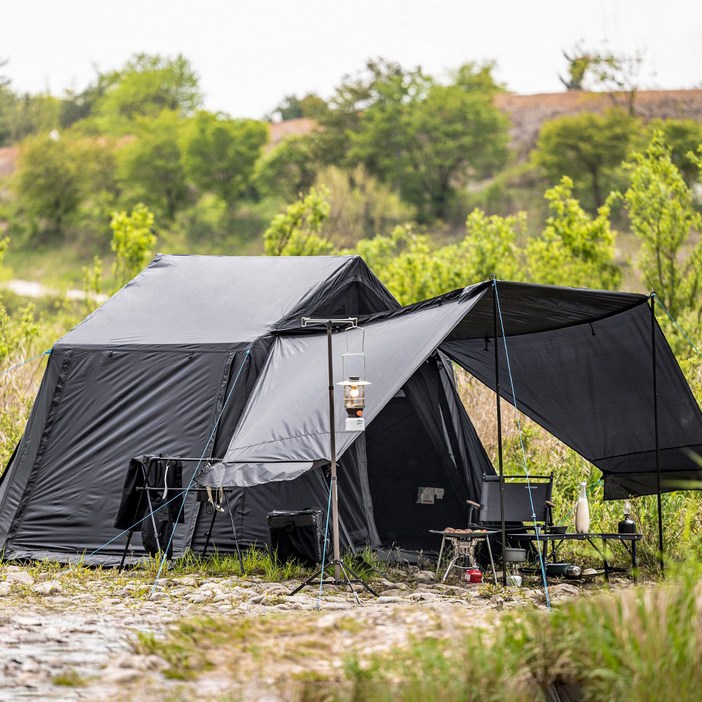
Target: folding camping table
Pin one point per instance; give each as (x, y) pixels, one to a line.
(628, 541)
(468, 536)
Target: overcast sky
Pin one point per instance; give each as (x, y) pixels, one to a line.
(250, 54)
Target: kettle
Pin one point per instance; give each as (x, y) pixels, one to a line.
(627, 525)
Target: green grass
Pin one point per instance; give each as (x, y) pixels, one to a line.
(69, 678)
(641, 644)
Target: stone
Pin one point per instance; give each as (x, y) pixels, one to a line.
(120, 675)
(19, 577)
(425, 576)
(563, 590)
(5, 589)
(50, 587)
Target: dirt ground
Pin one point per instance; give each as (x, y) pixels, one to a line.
(89, 635)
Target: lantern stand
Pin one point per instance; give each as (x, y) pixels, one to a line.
(354, 390)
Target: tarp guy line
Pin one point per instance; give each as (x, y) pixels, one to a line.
(24, 363)
(657, 301)
(521, 443)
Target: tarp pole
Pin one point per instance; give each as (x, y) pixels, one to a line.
(652, 304)
(332, 457)
(499, 436)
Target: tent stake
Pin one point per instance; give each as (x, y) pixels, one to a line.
(652, 303)
(499, 436)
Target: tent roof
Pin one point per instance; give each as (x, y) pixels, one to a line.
(223, 299)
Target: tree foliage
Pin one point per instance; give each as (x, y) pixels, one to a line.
(220, 154)
(422, 138)
(294, 107)
(663, 216)
(574, 248)
(359, 205)
(288, 169)
(589, 148)
(683, 137)
(133, 241)
(146, 86)
(151, 167)
(297, 230)
(48, 183)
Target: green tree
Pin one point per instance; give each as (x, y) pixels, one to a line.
(298, 230)
(151, 167)
(220, 154)
(382, 83)
(294, 107)
(574, 248)
(288, 169)
(133, 241)
(29, 114)
(359, 205)
(662, 214)
(589, 148)
(144, 87)
(427, 139)
(682, 137)
(414, 268)
(455, 136)
(48, 183)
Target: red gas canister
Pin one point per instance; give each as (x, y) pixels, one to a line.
(474, 575)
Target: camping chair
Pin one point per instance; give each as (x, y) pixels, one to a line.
(519, 514)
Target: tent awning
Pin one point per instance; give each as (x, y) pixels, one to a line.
(285, 427)
(580, 361)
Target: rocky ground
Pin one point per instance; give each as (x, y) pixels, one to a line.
(79, 634)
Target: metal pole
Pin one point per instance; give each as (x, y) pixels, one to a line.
(499, 436)
(656, 431)
(332, 457)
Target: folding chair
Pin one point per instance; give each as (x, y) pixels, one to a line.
(527, 504)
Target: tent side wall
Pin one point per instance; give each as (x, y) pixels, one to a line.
(107, 405)
(17, 472)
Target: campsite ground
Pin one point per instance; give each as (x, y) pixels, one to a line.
(79, 634)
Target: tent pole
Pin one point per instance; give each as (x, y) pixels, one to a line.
(499, 436)
(652, 303)
(332, 457)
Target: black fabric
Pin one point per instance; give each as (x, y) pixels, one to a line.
(591, 385)
(524, 500)
(401, 460)
(526, 308)
(144, 472)
(297, 535)
(111, 405)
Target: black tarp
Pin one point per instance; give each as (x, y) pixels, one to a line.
(580, 360)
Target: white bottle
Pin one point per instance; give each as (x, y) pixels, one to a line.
(582, 512)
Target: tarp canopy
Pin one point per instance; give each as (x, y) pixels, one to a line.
(285, 427)
(580, 361)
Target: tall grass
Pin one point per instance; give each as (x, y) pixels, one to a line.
(643, 644)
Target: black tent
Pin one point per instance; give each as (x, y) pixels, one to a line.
(205, 356)
(177, 353)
